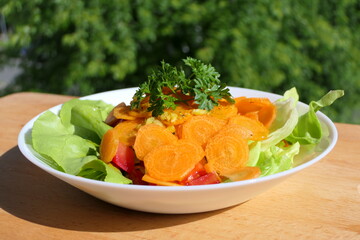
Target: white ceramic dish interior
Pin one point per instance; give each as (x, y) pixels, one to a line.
(187, 199)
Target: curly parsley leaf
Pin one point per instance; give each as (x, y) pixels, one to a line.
(163, 85)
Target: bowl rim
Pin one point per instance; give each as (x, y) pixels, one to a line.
(27, 152)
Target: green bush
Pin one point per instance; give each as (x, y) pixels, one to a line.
(80, 47)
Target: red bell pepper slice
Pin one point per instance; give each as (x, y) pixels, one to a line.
(124, 158)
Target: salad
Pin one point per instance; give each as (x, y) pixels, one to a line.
(182, 128)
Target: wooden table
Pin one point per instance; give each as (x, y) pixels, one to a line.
(322, 202)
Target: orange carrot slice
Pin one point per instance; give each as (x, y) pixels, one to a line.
(127, 131)
(224, 110)
(121, 111)
(151, 136)
(174, 161)
(226, 153)
(139, 113)
(109, 144)
(244, 173)
(265, 109)
(252, 115)
(152, 180)
(201, 128)
(258, 130)
(239, 130)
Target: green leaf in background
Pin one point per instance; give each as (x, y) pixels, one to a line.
(83, 47)
(308, 129)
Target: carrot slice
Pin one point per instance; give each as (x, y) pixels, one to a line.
(201, 128)
(244, 173)
(139, 113)
(239, 130)
(151, 136)
(224, 110)
(252, 115)
(258, 130)
(109, 145)
(121, 111)
(152, 180)
(265, 109)
(174, 161)
(127, 131)
(226, 153)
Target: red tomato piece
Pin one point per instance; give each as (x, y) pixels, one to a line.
(209, 178)
(124, 158)
(197, 172)
(136, 176)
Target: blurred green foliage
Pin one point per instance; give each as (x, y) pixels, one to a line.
(80, 47)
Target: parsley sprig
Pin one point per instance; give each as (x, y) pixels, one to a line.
(202, 84)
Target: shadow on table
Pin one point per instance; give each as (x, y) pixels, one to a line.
(29, 193)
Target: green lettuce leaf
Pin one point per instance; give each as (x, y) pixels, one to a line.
(65, 112)
(65, 142)
(277, 159)
(52, 139)
(90, 118)
(85, 118)
(101, 171)
(254, 153)
(308, 129)
(291, 93)
(286, 119)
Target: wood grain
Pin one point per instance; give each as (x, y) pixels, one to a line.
(322, 202)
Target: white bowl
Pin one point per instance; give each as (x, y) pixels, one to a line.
(184, 199)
